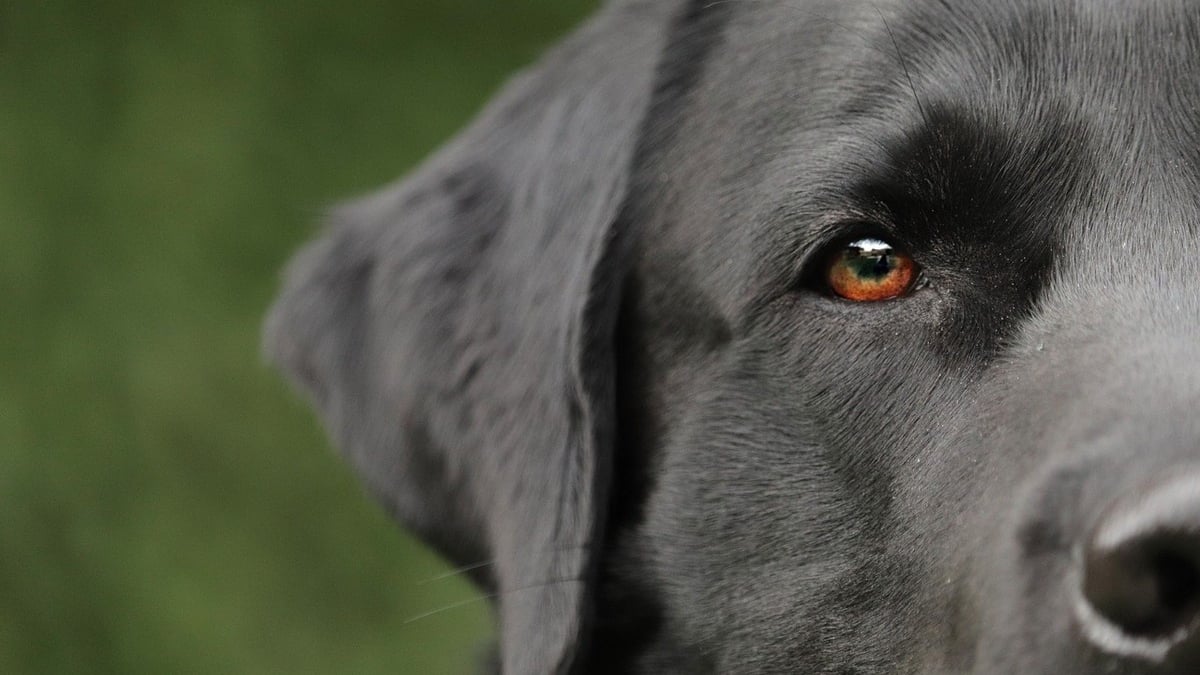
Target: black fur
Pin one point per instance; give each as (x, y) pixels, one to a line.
(587, 340)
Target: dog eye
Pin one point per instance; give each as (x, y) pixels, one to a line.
(871, 270)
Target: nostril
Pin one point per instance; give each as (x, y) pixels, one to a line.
(1148, 587)
(1141, 574)
(1178, 585)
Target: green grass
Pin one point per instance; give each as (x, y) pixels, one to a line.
(167, 505)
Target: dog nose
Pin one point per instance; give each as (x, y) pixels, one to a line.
(1141, 575)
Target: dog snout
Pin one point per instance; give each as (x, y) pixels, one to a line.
(1140, 577)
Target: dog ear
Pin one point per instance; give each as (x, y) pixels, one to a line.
(454, 331)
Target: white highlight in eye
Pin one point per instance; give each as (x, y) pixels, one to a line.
(870, 246)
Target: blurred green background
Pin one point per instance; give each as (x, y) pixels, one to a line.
(167, 505)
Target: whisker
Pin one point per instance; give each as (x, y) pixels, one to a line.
(485, 596)
(457, 571)
(446, 608)
(471, 567)
(903, 66)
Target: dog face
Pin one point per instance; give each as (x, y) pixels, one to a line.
(605, 341)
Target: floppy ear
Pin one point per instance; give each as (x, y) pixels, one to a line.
(454, 330)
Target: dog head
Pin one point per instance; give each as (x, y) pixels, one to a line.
(803, 336)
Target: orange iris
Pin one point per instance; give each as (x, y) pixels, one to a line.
(871, 270)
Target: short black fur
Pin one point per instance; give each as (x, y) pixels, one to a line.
(590, 341)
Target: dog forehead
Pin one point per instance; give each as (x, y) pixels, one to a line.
(1006, 51)
(859, 73)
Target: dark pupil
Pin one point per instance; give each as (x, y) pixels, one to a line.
(873, 265)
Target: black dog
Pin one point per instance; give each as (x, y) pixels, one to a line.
(806, 336)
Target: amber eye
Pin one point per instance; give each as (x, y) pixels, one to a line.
(870, 270)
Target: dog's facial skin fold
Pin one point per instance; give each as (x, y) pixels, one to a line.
(585, 342)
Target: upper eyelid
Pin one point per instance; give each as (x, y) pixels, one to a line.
(843, 214)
